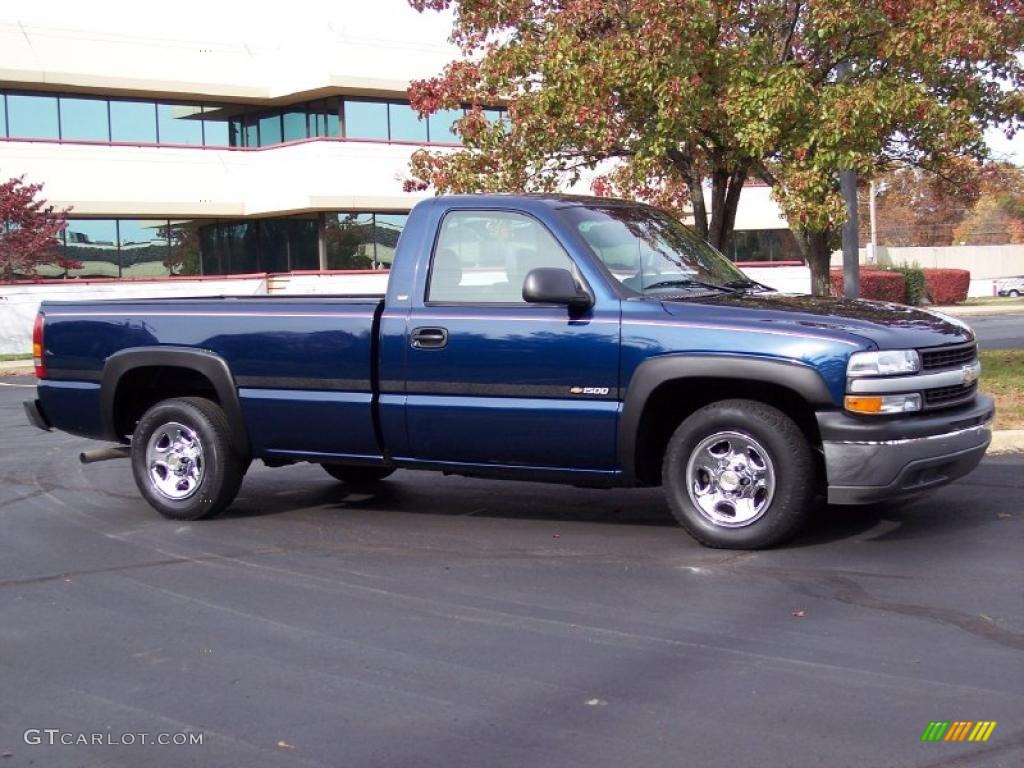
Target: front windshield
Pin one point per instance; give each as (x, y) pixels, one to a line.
(650, 252)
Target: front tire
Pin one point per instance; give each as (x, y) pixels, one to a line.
(740, 474)
(183, 460)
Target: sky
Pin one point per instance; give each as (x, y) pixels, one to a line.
(195, 20)
(1006, 149)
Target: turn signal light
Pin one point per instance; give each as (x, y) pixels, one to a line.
(880, 404)
(864, 404)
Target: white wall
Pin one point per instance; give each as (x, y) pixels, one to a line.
(785, 279)
(365, 283)
(167, 181)
(984, 262)
(756, 210)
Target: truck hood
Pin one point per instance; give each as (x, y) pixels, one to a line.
(889, 326)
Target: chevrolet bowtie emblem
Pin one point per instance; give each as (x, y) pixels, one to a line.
(970, 375)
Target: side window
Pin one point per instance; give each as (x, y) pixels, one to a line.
(483, 257)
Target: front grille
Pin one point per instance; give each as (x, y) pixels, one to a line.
(946, 397)
(948, 357)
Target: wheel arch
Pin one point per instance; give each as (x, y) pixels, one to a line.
(180, 372)
(665, 390)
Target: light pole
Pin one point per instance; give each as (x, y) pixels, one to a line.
(851, 235)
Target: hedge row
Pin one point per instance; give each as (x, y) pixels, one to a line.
(877, 284)
(941, 286)
(946, 286)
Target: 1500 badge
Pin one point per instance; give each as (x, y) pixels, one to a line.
(588, 390)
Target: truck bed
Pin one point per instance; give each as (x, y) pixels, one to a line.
(304, 366)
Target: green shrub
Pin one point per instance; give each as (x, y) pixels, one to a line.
(914, 276)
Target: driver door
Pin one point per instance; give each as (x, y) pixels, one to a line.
(493, 380)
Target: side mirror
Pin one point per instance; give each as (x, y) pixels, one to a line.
(550, 285)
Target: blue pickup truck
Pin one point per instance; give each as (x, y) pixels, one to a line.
(565, 339)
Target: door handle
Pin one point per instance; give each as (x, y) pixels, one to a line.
(429, 338)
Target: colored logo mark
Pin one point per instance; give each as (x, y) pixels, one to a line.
(958, 730)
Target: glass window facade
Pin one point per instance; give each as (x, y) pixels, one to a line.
(764, 245)
(349, 241)
(143, 248)
(294, 124)
(133, 121)
(288, 244)
(32, 117)
(73, 117)
(91, 248)
(153, 248)
(406, 124)
(441, 125)
(84, 119)
(180, 123)
(250, 131)
(366, 119)
(219, 128)
(184, 254)
(386, 231)
(270, 129)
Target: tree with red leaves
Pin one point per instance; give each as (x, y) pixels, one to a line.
(28, 230)
(664, 99)
(997, 217)
(916, 208)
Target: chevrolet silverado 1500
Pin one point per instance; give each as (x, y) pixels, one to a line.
(567, 339)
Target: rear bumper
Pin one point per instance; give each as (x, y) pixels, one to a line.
(874, 460)
(36, 417)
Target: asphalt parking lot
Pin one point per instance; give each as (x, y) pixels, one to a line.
(1002, 331)
(453, 622)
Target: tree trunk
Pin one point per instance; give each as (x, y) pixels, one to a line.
(816, 249)
(725, 200)
(695, 184)
(726, 185)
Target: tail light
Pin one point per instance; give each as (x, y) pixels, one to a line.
(37, 347)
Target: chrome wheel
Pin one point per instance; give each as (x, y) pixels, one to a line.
(174, 459)
(730, 479)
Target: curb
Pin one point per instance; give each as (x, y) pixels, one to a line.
(1007, 441)
(16, 367)
(972, 310)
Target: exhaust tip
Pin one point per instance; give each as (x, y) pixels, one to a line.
(105, 454)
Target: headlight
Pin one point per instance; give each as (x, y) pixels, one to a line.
(885, 362)
(881, 404)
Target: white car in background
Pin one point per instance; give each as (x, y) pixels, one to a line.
(1010, 286)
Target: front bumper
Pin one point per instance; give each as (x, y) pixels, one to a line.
(875, 459)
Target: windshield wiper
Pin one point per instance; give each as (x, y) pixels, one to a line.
(690, 283)
(747, 283)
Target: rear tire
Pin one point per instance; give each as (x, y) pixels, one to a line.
(183, 459)
(357, 476)
(740, 474)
